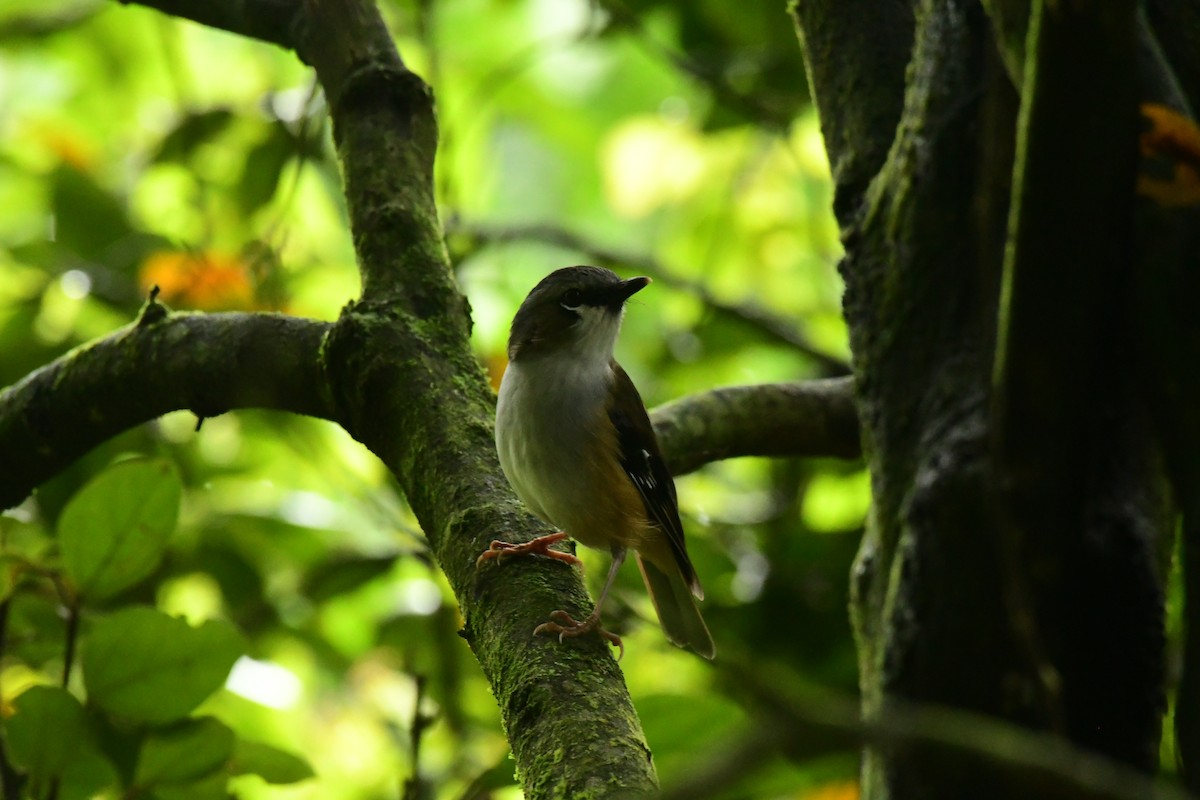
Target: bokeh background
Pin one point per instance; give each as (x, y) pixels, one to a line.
(669, 139)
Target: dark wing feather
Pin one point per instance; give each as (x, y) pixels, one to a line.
(643, 463)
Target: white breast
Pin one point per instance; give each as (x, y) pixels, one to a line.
(543, 417)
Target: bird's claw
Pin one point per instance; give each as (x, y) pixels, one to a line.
(565, 626)
(540, 546)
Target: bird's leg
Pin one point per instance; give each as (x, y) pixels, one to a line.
(565, 626)
(540, 546)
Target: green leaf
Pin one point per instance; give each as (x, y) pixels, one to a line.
(182, 753)
(50, 739)
(212, 787)
(341, 575)
(142, 664)
(45, 731)
(263, 169)
(270, 763)
(114, 530)
(88, 218)
(23, 539)
(23, 549)
(11, 569)
(190, 132)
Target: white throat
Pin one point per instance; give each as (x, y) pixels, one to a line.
(574, 376)
(594, 336)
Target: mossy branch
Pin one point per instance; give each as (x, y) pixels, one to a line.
(810, 418)
(207, 363)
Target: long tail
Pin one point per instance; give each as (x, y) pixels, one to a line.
(677, 609)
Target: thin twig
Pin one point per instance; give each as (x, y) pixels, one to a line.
(778, 328)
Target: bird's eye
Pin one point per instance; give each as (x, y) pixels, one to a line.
(571, 300)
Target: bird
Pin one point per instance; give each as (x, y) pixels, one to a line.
(577, 447)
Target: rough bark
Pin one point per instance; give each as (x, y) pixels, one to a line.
(1012, 561)
(812, 418)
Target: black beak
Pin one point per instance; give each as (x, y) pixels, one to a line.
(624, 290)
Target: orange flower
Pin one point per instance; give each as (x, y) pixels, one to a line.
(1173, 141)
(840, 790)
(203, 280)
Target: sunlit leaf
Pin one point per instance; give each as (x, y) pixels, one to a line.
(88, 218)
(270, 763)
(142, 664)
(339, 576)
(678, 731)
(263, 169)
(191, 131)
(114, 531)
(23, 550)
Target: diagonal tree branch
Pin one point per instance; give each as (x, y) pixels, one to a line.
(408, 386)
(206, 363)
(270, 21)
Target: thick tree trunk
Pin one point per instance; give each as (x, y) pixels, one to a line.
(1013, 560)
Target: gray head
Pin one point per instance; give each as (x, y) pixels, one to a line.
(576, 309)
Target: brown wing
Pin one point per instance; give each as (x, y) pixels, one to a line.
(643, 463)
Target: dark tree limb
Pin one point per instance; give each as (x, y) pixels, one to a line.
(206, 363)
(855, 52)
(1062, 329)
(271, 21)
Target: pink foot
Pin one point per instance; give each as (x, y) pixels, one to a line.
(566, 627)
(539, 546)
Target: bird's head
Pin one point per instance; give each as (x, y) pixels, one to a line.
(574, 311)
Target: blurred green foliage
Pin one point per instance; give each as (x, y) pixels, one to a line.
(271, 555)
